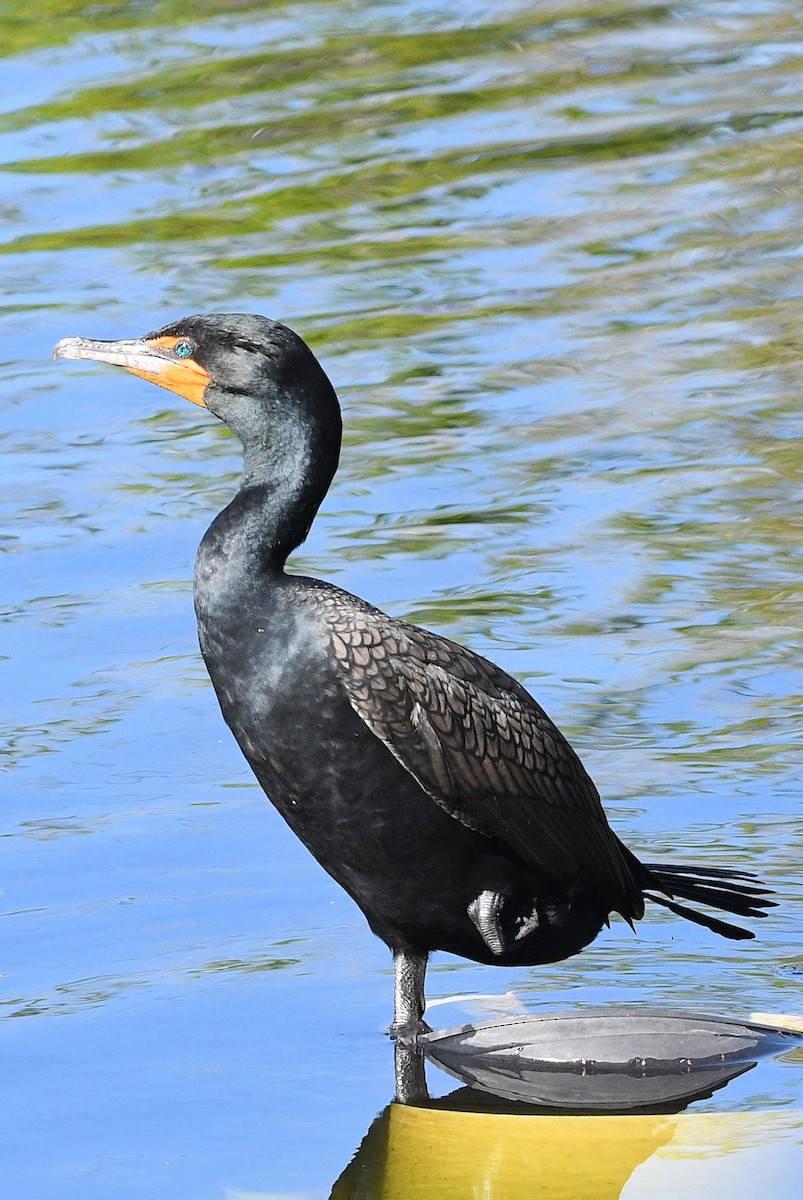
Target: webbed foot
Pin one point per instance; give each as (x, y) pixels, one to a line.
(408, 1033)
(485, 912)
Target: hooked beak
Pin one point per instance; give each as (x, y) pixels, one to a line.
(152, 359)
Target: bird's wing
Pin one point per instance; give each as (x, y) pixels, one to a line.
(480, 746)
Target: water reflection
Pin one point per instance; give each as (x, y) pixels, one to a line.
(471, 1144)
(440, 1154)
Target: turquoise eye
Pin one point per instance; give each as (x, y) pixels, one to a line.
(183, 349)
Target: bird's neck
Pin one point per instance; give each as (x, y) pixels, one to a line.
(248, 543)
(290, 455)
(279, 495)
(241, 557)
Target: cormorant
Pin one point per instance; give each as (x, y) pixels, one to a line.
(423, 778)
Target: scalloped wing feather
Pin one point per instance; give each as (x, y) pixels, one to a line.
(480, 746)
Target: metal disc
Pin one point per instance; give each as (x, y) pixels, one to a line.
(604, 1059)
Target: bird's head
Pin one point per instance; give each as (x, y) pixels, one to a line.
(256, 375)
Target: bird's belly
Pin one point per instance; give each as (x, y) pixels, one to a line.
(413, 869)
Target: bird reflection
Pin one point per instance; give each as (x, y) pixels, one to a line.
(410, 1071)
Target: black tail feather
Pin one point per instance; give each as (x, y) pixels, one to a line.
(723, 928)
(737, 881)
(746, 904)
(672, 880)
(704, 872)
(676, 883)
(731, 891)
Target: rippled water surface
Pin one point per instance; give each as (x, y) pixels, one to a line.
(549, 257)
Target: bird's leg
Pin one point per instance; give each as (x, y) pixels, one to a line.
(408, 996)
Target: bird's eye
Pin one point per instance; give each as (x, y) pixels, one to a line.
(183, 349)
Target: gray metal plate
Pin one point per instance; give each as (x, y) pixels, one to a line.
(604, 1059)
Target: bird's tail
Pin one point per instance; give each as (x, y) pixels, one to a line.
(731, 891)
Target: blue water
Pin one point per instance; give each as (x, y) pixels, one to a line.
(549, 260)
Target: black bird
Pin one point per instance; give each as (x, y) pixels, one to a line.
(423, 778)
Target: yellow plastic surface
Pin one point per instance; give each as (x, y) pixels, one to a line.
(429, 1154)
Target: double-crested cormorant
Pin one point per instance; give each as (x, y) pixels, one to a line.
(423, 778)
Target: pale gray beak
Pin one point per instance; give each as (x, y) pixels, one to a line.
(136, 355)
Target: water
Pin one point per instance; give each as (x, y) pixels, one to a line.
(548, 256)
